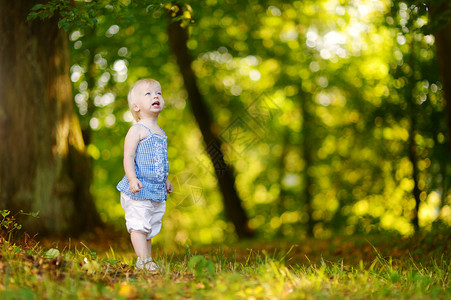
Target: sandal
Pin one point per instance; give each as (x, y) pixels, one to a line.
(146, 264)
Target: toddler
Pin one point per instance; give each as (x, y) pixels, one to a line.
(145, 185)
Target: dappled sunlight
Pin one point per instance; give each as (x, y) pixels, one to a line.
(308, 144)
(310, 100)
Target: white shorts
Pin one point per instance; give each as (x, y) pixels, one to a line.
(143, 215)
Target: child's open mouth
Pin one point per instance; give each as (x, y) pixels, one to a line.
(156, 104)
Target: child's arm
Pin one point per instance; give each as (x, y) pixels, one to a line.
(131, 143)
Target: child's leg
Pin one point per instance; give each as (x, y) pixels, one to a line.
(158, 211)
(143, 248)
(140, 244)
(149, 248)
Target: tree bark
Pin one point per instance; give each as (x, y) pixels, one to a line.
(443, 49)
(44, 165)
(413, 157)
(307, 155)
(412, 145)
(235, 212)
(282, 166)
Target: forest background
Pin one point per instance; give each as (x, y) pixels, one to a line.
(284, 119)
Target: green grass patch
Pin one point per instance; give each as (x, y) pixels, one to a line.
(344, 268)
(382, 266)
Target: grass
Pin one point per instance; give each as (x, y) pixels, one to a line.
(340, 268)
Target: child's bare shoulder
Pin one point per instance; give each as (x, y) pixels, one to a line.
(138, 131)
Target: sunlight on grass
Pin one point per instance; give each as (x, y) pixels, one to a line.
(81, 272)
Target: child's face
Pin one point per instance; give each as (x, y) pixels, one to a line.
(149, 100)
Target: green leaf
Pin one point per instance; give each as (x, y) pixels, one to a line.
(5, 223)
(61, 23)
(201, 266)
(52, 253)
(111, 261)
(39, 7)
(32, 16)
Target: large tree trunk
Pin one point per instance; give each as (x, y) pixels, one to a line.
(178, 37)
(44, 166)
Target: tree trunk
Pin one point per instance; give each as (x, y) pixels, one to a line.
(412, 145)
(282, 166)
(44, 166)
(443, 48)
(413, 157)
(307, 155)
(235, 212)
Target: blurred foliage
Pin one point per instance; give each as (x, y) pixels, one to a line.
(360, 70)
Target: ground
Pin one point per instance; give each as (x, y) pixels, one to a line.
(351, 267)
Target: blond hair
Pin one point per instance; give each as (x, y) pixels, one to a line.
(131, 98)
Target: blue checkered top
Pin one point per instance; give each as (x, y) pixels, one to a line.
(151, 167)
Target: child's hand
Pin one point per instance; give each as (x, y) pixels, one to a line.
(135, 185)
(169, 188)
